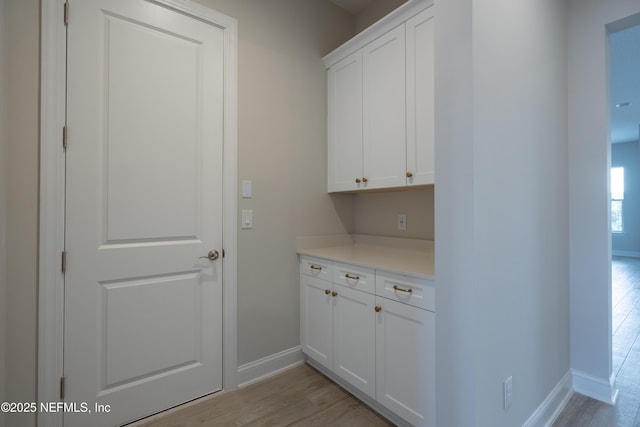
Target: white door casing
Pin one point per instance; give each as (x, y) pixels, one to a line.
(178, 274)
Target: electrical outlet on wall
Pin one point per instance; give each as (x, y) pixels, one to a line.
(402, 222)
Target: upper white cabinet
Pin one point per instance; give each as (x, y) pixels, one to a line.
(345, 123)
(384, 110)
(381, 104)
(420, 96)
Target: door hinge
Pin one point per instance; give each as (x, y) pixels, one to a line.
(64, 138)
(61, 388)
(66, 13)
(63, 263)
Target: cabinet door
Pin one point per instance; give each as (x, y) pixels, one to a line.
(316, 324)
(384, 111)
(345, 124)
(405, 361)
(420, 99)
(354, 338)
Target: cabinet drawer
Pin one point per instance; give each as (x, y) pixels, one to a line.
(354, 277)
(316, 267)
(407, 289)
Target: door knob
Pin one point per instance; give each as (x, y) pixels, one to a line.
(212, 255)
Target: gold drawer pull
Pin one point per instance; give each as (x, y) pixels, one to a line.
(327, 291)
(409, 175)
(378, 309)
(334, 294)
(365, 179)
(357, 180)
(352, 277)
(398, 288)
(315, 267)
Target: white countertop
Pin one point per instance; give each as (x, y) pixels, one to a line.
(413, 262)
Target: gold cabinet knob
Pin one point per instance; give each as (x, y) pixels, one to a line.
(327, 291)
(378, 309)
(364, 179)
(334, 294)
(357, 180)
(409, 175)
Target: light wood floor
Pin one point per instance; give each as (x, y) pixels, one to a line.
(298, 397)
(583, 411)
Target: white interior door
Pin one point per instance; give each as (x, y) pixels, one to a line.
(143, 313)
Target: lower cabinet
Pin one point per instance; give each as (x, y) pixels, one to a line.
(405, 361)
(317, 322)
(383, 348)
(354, 339)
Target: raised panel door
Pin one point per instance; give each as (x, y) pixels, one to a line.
(143, 313)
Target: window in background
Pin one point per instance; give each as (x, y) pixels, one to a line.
(617, 197)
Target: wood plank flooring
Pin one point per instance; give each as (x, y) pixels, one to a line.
(583, 411)
(297, 397)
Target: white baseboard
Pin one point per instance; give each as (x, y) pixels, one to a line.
(260, 369)
(596, 388)
(632, 254)
(553, 404)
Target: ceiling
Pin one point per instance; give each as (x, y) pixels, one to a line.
(624, 69)
(353, 6)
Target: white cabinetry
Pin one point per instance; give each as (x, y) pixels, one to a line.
(316, 304)
(354, 339)
(345, 123)
(384, 111)
(375, 330)
(381, 104)
(420, 99)
(405, 361)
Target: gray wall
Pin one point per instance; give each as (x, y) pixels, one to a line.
(282, 149)
(627, 155)
(376, 213)
(22, 73)
(374, 11)
(589, 160)
(3, 199)
(501, 211)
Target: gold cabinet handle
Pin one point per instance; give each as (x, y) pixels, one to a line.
(357, 180)
(327, 291)
(365, 179)
(334, 294)
(315, 267)
(378, 309)
(352, 277)
(398, 288)
(409, 175)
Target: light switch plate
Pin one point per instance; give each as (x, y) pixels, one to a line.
(247, 218)
(247, 189)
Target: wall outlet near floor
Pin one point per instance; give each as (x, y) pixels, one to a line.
(508, 392)
(402, 222)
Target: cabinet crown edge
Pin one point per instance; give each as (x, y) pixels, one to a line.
(369, 34)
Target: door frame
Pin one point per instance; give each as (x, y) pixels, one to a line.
(52, 196)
